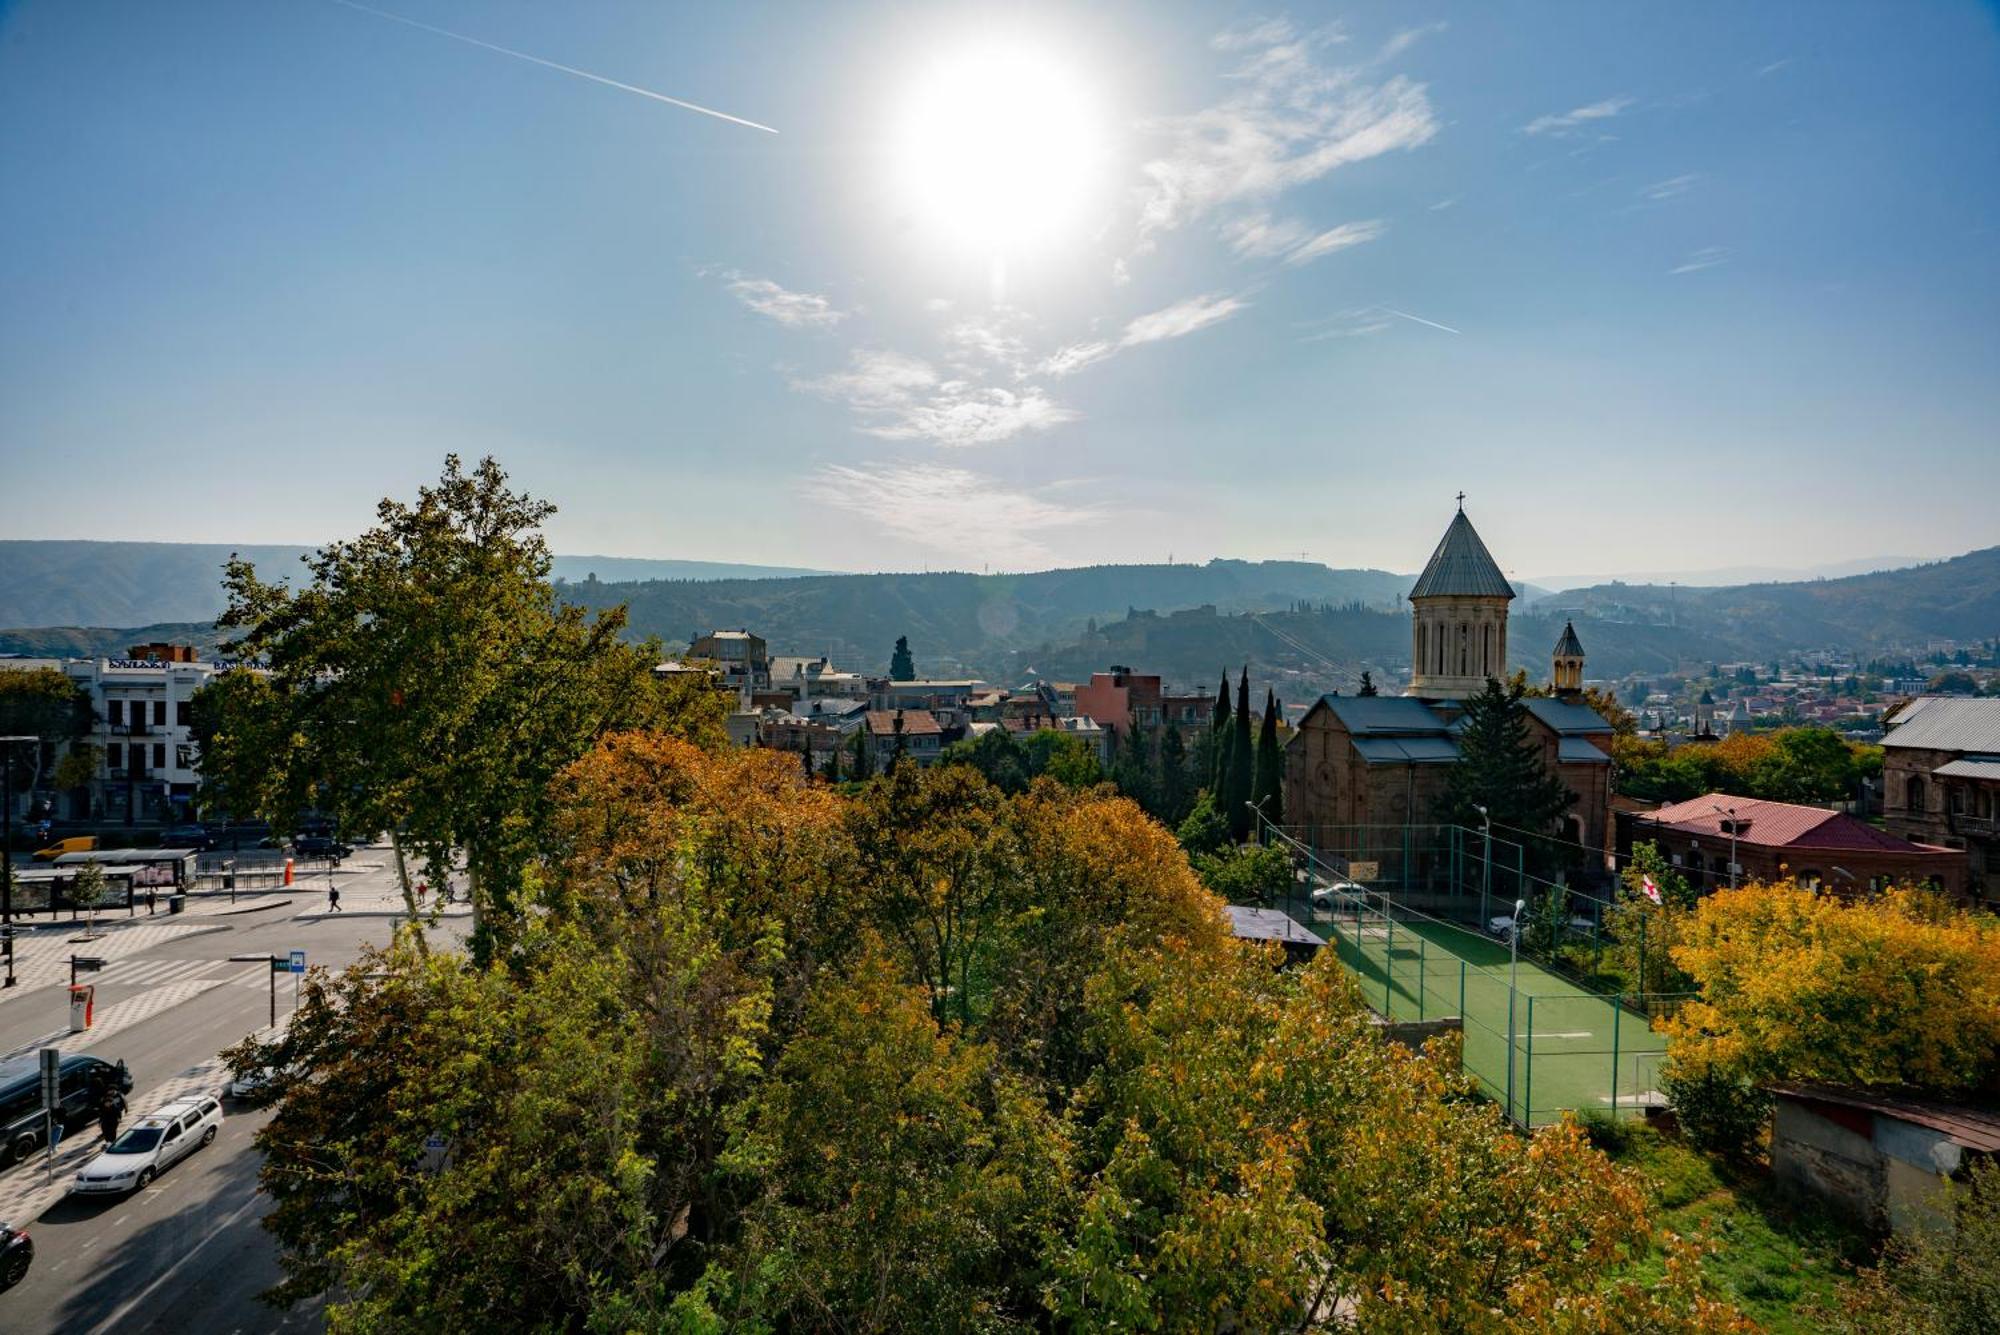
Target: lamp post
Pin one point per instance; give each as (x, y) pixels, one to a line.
(270, 963)
(1729, 824)
(1513, 992)
(1485, 860)
(7, 847)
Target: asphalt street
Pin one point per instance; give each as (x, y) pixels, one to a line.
(187, 1253)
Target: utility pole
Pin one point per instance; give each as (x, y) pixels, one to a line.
(1729, 824)
(7, 848)
(1513, 992)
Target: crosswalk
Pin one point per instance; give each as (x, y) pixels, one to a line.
(152, 972)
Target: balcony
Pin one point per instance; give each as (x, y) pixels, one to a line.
(1973, 827)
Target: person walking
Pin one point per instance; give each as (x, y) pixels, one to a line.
(152, 900)
(333, 899)
(110, 1111)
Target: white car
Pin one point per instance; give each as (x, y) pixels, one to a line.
(1337, 891)
(150, 1144)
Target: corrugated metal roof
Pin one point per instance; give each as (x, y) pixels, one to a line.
(1577, 751)
(1406, 750)
(1974, 1128)
(1566, 719)
(1252, 924)
(1972, 767)
(1390, 715)
(1947, 723)
(1461, 566)
(1778, 825)
(1568, 646)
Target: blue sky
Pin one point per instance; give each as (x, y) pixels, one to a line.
(1674, 287)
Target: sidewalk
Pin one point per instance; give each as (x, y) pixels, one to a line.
(43, 959)
(359, 902)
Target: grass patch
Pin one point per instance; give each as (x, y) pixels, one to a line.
(1771, 1256)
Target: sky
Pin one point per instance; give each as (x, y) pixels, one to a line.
(1011, 287)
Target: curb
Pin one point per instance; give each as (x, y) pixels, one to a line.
(242, 909)
(321, 915)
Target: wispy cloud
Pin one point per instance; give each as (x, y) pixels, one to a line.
(950, 509)
(1774, 67)
(1418, 319)
(1356, 323)
(1569, 122)
(1180, 319)
(1073, 358)
(1705, 258)
(1290, 122)
(1672, 187)
(1337, 238)
(794, 310)
(1408, 38)
(897, 397)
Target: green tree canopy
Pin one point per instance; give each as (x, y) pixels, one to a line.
(1500, 768)
(901, 666)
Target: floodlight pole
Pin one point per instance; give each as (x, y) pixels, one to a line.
(7, 847)
(1513, 991)
(1730, 813)
(1485, 861)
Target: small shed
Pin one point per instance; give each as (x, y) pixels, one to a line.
(1255, 924)
(1879, 1156)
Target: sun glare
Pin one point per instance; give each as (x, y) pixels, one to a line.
(998, 149)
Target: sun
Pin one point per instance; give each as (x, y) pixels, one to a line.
(998, 149)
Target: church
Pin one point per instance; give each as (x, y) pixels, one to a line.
(1381, 761)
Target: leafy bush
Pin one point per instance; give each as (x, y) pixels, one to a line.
(1204, 830)
(1717, 1112)
(1246, 875)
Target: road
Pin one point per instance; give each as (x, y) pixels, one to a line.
(187, 1253)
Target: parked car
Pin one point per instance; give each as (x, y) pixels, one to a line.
(1328, 893)
(196, 837)
(23, 1126)
(150, 1146)
(17, 1252)
(319, 846)
(82, 843)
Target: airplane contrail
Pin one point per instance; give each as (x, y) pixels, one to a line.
(550, 64)
(1391, 310)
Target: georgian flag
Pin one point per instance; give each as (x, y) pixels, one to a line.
(1652, 888)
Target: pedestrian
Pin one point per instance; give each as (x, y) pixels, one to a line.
(333, 899)
(110, 1109)
(152, 900)
(423, 888)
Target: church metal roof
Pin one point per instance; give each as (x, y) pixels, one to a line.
(1462, 567)
(1569, 646)
(1384, 715)
(1566, 719)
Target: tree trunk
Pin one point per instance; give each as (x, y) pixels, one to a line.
(409, 895)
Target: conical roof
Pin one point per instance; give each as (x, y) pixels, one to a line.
(1462, 567)
(1569, 646)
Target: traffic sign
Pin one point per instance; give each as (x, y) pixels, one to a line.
(279, 964)
(51, 1079)
(298, 961)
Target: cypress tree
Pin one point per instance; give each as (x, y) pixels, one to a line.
(1266, 793)
(1368, 684)
(1242, 763)
(900, 666)
(864, 760)
(1218, 738)
(833, 763)
(1173, 794)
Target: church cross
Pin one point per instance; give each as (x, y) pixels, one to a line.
(1461, 502)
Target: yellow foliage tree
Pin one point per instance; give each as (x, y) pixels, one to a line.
(1898, 989)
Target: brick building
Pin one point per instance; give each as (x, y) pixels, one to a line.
(1941, 781)
(1777, 839)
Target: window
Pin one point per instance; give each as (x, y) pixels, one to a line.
(183, 713)
(159, 755)
(114, 755)
(1913, 796)
(160, 713)
(114, 710)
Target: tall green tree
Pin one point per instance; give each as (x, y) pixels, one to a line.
(1219, 735)
(1174, 792)
(901, 666)
(45, 704)
(1267, 792)
(1368, 685)
(1500, 768)
(424, 680)
(1242, 763)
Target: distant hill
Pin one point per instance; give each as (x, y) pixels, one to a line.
(61, 583)
(105, 641)
(957, 621)
(1955, 599)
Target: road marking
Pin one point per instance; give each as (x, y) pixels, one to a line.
(111, 1322)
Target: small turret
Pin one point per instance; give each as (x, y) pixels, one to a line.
(1568, 672)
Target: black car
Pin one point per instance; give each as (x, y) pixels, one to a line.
(23, 1126)
(319, 846)
(17, 1252)
(196, 837)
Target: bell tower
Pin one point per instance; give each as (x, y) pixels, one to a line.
(1568, 673)
(1459, 617)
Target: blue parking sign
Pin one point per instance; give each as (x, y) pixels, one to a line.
(298, 961)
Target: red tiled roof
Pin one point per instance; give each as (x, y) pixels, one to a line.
(1777, 825)
(916, 722)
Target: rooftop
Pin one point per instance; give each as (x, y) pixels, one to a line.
(1462, 567)
(1764, 824)
(1974, 1128)
(1947, 723)
(916, 722)
(1384, 715)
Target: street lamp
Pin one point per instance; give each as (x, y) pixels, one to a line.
(1729, 824)
(7, 848)
(270, 963)
(1513, 992)
(1486, 861)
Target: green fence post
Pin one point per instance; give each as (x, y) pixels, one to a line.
(1617, 1023)
(1528, 1075)
(1461, 1000)
(1388, 962)
(1421, 956)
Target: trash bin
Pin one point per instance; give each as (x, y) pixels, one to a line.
(177, 903)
